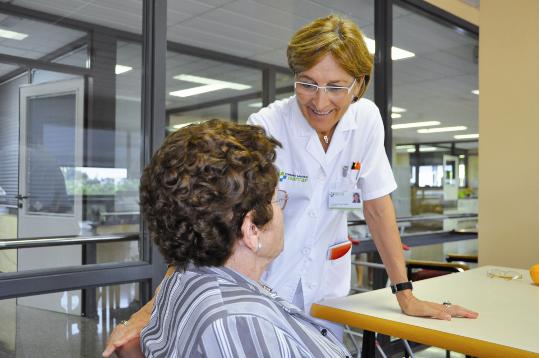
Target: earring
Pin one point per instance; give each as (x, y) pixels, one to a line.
(258, 246)
(354, 99)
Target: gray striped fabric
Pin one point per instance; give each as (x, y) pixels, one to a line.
(217, 312)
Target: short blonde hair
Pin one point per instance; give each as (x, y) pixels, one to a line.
(332, 34)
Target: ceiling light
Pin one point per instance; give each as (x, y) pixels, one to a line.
(181, 125)
(255, 105)
(442, 129)
(196, 90)
(466, 136)
(210, 85)
(12, 35)
(415, 125)
(462, 156)
(396, 53)
(122, 69)
(405, 146)
(396, 115)
(428, 149)
(398, 109)
(211, 81)
(475, 92)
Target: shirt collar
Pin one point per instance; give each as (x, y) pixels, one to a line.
(227, 274)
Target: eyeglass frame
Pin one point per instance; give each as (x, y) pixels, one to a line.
(325, 88)
(277, 199)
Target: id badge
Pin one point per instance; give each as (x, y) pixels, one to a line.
(344, 193)
(344, 199)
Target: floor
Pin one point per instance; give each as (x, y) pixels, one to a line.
(28, 332)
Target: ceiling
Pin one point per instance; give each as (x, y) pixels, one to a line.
(435, 85)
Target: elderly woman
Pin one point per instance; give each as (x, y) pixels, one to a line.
(209, 197)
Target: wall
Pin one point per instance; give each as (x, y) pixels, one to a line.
(508, 125)
(460, 9)
(473, 171)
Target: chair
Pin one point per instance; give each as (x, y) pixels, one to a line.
(421, 269)
(461, 258)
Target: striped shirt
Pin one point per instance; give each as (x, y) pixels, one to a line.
(217, 312)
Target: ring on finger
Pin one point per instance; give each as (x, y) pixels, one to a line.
(124, 323)
(446, 305)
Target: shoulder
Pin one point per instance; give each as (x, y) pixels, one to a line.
(274, 117)
(195, 291)
(366, 109)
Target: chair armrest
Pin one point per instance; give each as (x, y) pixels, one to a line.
(436, 265)
(461, 257)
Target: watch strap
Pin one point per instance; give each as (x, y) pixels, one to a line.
(402, 286)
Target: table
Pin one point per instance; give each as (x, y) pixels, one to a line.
(507, 326)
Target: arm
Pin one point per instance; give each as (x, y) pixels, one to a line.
(380, 217)
(124, 333)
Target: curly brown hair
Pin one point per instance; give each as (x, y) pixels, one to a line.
(199, 186)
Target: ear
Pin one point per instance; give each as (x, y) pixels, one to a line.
(250, 232)
(358, 89)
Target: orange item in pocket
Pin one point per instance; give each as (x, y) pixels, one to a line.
(339, 250)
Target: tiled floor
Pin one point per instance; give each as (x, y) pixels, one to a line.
(27, 332)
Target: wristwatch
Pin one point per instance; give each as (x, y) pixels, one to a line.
(401, 286)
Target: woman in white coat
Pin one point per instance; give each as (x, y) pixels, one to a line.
(333, 147)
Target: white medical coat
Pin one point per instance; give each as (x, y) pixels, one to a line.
(308, 173)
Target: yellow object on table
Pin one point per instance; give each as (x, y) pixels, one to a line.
(534, 273)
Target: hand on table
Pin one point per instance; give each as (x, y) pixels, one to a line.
(412, 306)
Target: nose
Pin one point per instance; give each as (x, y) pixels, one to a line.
(321, 99)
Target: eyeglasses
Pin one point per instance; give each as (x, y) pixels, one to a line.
(281, 198)
(310, 89)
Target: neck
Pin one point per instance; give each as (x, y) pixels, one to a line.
(247, 263)
(325, 138)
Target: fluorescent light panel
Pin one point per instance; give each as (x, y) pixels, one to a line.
(405, 146)
(411, 148)
(211, 81)
(209, 85)
(476, 92)
(396, 53)
(466, 136)
(122, 69)
(12, 35)
(395, 109)
(428, 149)
(255, 105)
(396, 115)
(441, 129)
(197, 90)
(181, 125)
(415, 125)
